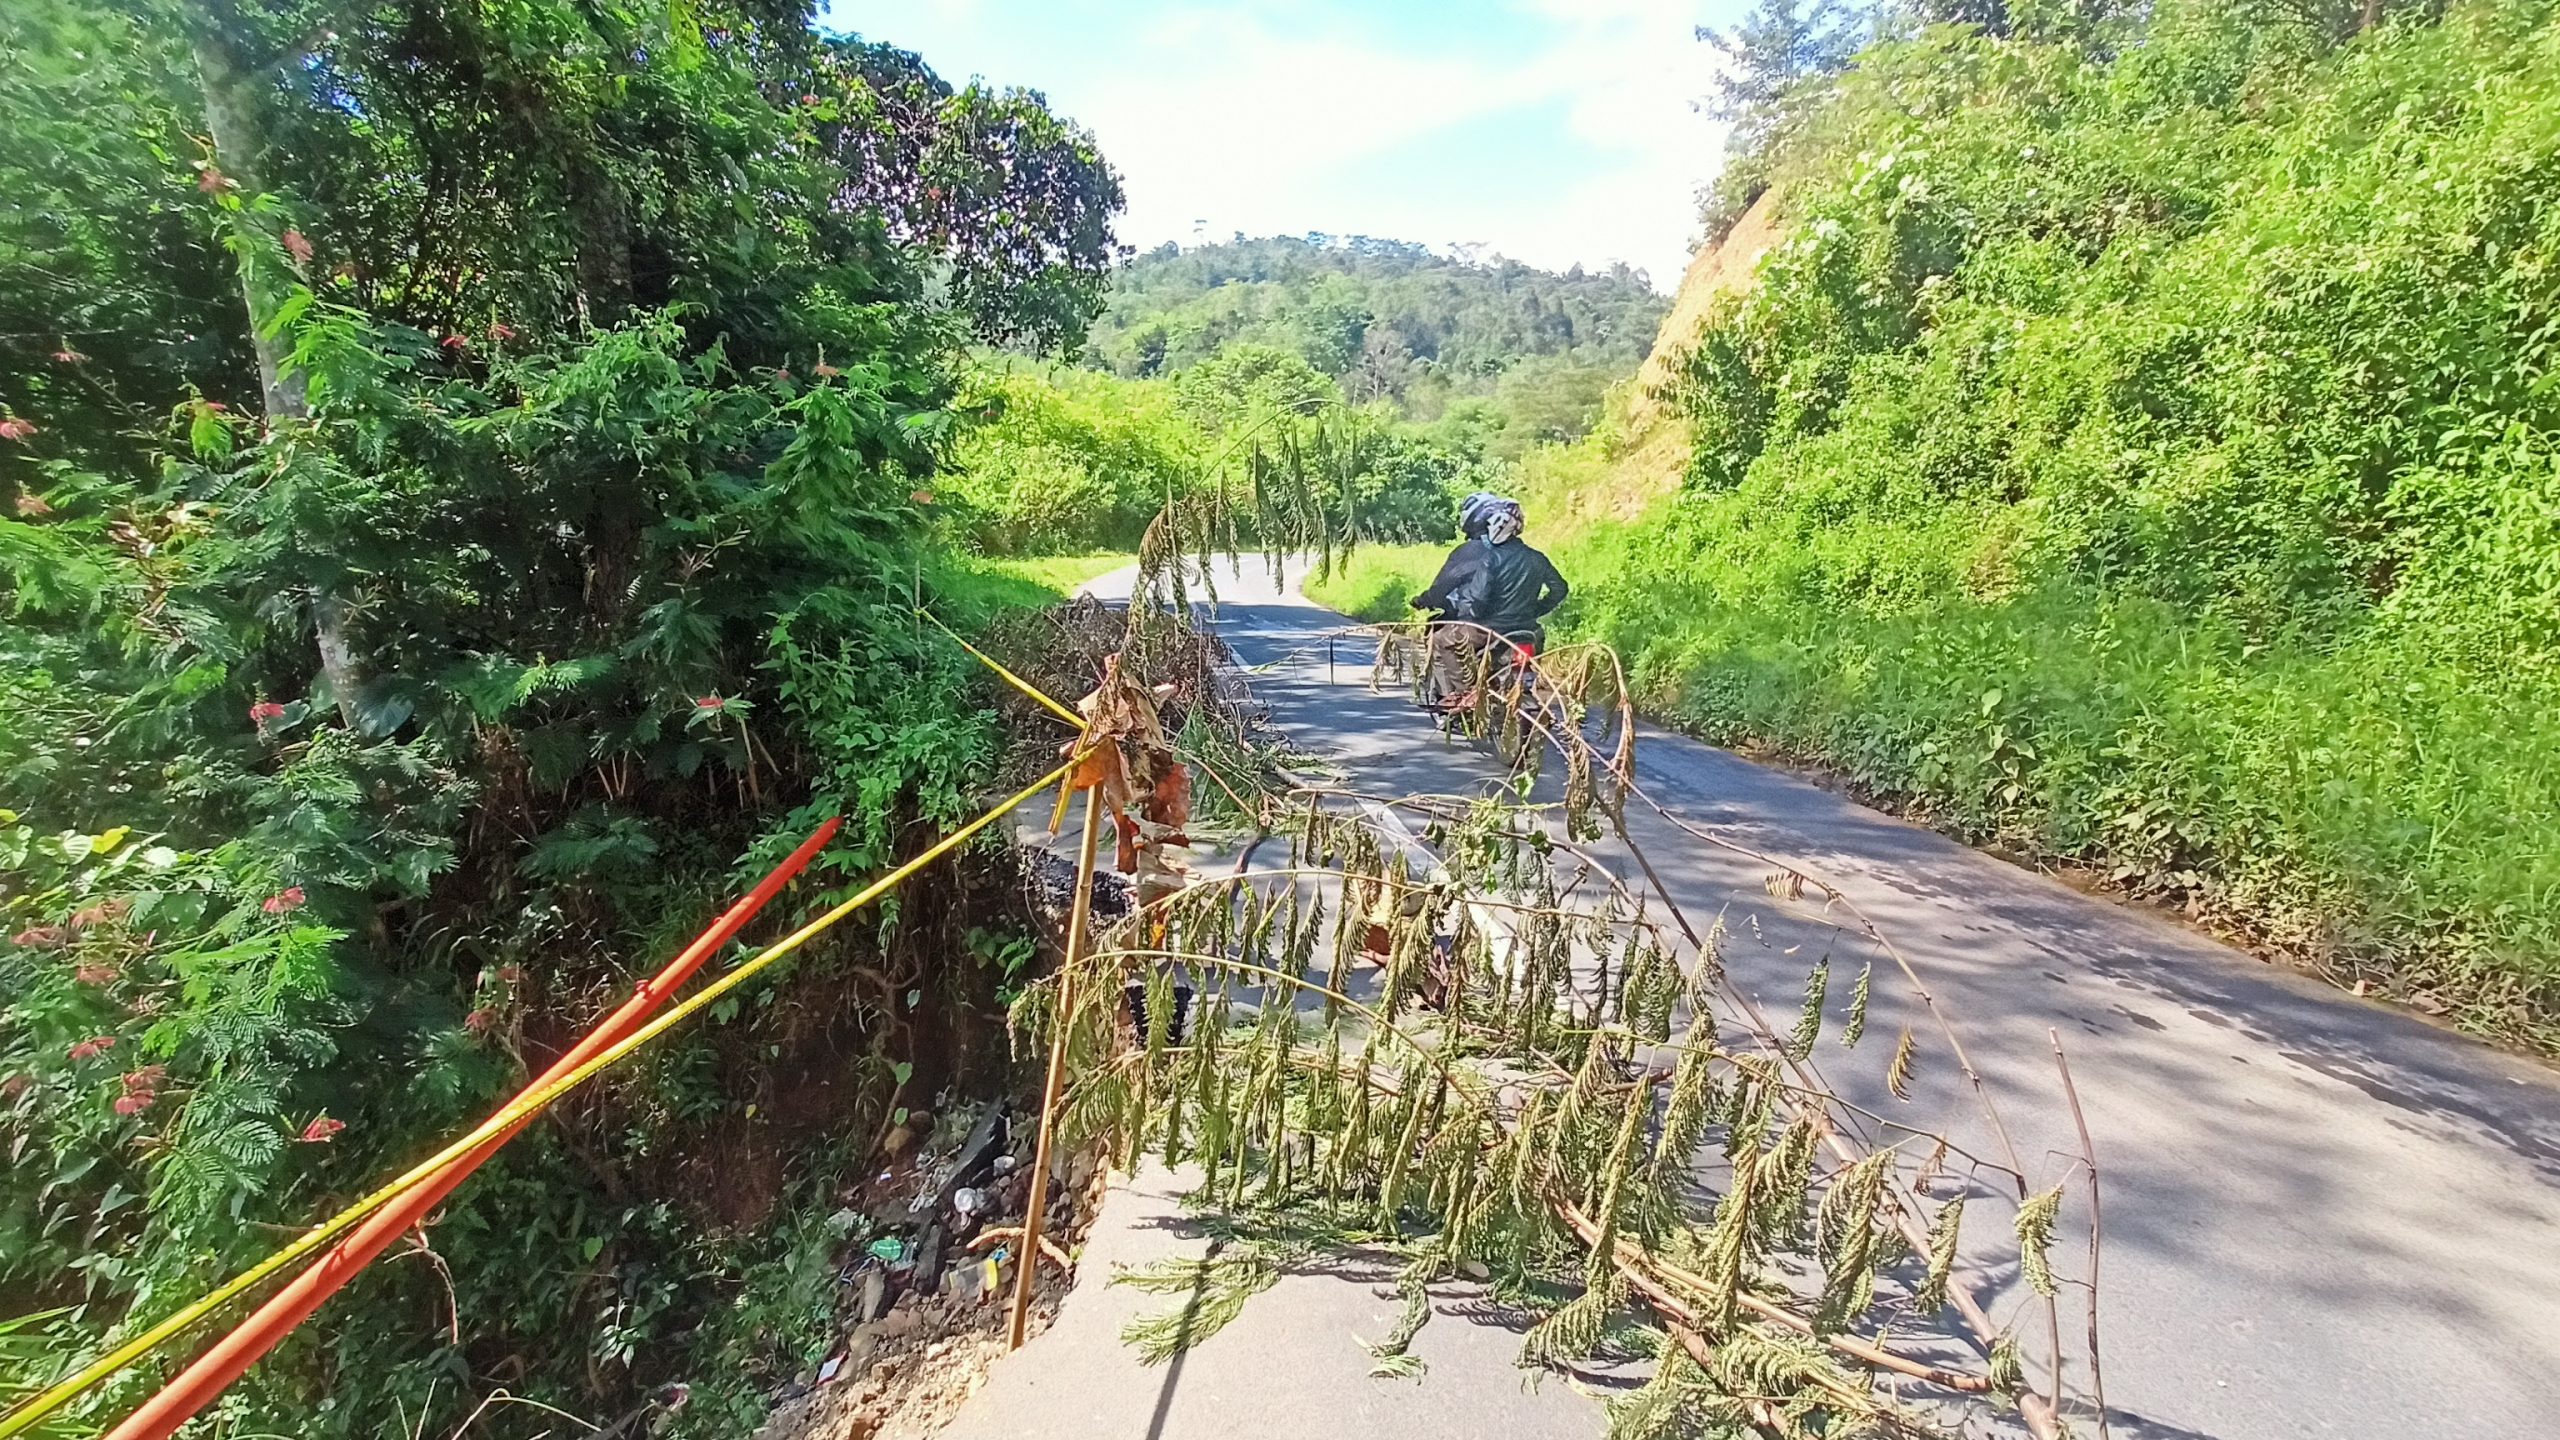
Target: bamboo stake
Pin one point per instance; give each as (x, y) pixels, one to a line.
(1079, 916)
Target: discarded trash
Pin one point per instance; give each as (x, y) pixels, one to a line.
(968, 1201)
(888, 1249)
(933, 1183)
(1004, 1164)
(976, 1280)
(827, 1373)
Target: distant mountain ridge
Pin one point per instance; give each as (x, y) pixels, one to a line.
(1391, 320)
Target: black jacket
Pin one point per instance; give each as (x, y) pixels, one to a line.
(1506, 588)
(1455, 573)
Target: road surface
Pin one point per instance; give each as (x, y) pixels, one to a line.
(2324, 1217)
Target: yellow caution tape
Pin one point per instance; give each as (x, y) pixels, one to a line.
(26, 1415)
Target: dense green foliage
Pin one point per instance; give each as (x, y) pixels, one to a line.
(2143, 448)
(1057, 459)
(464, 475)
(1499, 354)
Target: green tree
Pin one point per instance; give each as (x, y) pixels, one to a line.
(466, 471)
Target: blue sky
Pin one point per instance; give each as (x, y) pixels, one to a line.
(1554, 131)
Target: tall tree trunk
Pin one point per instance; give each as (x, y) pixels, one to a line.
(233, 121)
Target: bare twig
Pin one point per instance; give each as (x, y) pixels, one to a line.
(2089, 1158)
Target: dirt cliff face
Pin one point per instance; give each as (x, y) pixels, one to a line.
(1726, 267)
(1641, 448)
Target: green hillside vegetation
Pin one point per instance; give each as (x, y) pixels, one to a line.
(1394, 378)
(465, 473)
(2144, 449)
(1495, 354)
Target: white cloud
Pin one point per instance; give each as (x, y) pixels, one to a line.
(1269, 119)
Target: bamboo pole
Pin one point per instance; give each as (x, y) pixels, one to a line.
(1035, 1213)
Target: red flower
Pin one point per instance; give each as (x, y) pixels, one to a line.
(210, 180)
(285, 901)
(14, 428)
(297, 246)
(134, 1102)
(68, 356)
(455, 343)
(146, 1078)
(921, 497)
(500, 330)
(479, 1020)
(808, 99)
(100, 975)
(264, 711)
(320, 1129)
(708, 702)
(40, 937)
(98, 1045)
(32, 507)
(511, 974)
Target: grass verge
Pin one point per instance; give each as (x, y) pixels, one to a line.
(1377, 582)
(973, 591)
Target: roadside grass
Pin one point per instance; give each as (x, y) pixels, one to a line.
(1377, 582)
(974, 591)
(2386, 820)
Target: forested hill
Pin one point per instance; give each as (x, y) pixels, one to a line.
(1391, 320)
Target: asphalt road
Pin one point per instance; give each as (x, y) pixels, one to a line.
(2324, 1217)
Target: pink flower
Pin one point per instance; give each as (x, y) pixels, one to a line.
(921, 497)
(99, 975)
(104, 912)
(808, 99)
(478, 1021)
(134, 1102)
(285, 901)
(828, 371)
(68, 356)
(14, 1086)
(500, 330)
(33, 507)
(264, 711)
(320, 1129)
(297, 246)
(709, 702)
(146, 1078)
(40, 937)
(455, 343)
(511, 974)
(210, 180)
(14, 428)
(782, 374)
(98, 1045)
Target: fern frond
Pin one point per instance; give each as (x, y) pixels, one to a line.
(1856, 1025)
(1897, 1076)
(1931, 1295)
(1217, 1288)
(2036, 1216)
(1809, 1021)
(1574, 1329)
